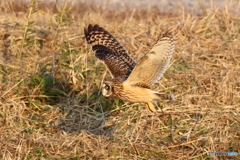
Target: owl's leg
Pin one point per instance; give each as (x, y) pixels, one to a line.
(151, 107)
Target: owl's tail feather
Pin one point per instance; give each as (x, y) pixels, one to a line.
(166, 96)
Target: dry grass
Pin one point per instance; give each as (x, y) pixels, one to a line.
(51, 106)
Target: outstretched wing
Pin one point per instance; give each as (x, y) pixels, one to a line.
(109, 50)
(152, 65)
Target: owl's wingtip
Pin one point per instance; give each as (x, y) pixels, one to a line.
(167, 33)
(90, 28)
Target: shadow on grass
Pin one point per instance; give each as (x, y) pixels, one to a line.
(80, 112)
(78, 117)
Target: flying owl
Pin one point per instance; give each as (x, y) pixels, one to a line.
(131, 80)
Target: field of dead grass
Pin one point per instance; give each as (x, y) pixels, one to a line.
(51, 106)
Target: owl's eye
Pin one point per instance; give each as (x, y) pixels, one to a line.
(106, 90)
(106, 87)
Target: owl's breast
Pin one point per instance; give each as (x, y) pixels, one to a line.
(136, 94)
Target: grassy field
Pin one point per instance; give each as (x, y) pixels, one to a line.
(51, 105)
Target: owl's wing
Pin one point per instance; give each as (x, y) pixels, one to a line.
(109, 50)
(152, 65)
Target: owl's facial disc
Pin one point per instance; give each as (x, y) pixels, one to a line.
(106, 89)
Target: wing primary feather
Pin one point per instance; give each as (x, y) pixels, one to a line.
(151, 67)
(109, 50)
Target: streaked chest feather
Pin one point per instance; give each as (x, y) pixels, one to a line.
(136, 94)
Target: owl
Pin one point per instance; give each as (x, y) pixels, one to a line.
(131, 80)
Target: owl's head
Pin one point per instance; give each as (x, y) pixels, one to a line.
(113, 88)
(107, 89)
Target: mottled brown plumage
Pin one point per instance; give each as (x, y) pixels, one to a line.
(109, 50)
(131, 81)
